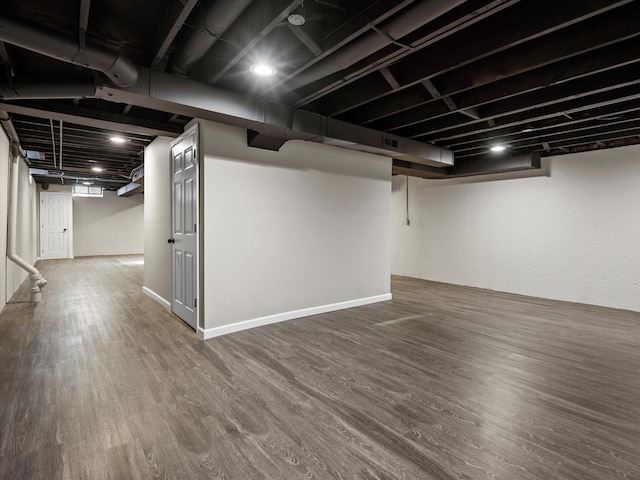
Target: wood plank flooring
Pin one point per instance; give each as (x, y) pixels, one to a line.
(98, 381)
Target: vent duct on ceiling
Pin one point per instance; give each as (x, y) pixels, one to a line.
(117, 68)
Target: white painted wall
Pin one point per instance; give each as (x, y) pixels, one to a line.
(4, 206)
(574, 235)
(289, 231)
(27, 225)
(110, 225)
(157, 220)
(27, 231)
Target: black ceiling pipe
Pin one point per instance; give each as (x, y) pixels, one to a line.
(116, 67)
(213, 22)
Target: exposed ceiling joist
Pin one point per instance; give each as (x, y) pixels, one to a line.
(93, 119)
(256, 23)
(83, 23)
(306, 40)
(172, 21)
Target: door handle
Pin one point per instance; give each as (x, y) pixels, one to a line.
(171, 240)
(64, 231)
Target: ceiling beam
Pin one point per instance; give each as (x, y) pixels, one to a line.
(388, 76)
(457, 51)
(83, 22)
(591, 63)
(552, 95)
(306, 40)
(255, 23)
(385, 58)
(552, 126)
(611, 99)
(454, 52)
(376, 13)
(93, 118)
(530, 141)
(520, 72)
(172, 21)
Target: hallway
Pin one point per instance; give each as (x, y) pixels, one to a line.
(98, 381)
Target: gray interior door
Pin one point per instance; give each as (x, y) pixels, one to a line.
(184, 226)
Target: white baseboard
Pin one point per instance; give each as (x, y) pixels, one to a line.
(281, 317)
(165, 303)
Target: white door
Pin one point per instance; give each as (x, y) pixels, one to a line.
(54, 225)
(184, 226)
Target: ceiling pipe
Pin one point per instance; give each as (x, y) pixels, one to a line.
(36, 280)
(380, 36)
(210, 26)
(116, 67)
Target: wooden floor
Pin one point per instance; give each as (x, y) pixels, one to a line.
(100, 382)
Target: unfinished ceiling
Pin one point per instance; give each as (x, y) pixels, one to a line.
(540, 77)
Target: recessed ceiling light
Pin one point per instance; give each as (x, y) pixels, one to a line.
(117, 139)
(498, 148)
(263, 70)
(87, 183)
(528, 129)
(97, 169)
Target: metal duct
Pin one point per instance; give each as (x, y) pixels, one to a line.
(470, 167)
(386, 33)
(218, 16)
(272, 121)
(36, 280)
(117, 68)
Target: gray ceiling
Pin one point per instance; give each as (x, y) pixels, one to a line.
(540, 76)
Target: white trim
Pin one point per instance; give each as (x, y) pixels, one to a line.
(165, 303)
(281, 317)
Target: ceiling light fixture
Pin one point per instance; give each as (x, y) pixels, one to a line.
(528, 129)
(97, 169)
(117, 139)
(296, 18)
(263, 70)
(498, 148)
(87, 183)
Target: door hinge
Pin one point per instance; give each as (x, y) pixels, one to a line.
(195, 228)
(195, 303)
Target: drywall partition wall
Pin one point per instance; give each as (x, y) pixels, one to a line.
(108, 225)
(289, 233)
(4, 208)
(574, 235)
(157, 221)
(27, 232)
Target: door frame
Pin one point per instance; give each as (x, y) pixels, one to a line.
(69, 221)
(194, 129)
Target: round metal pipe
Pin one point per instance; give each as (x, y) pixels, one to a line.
(117, 68)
